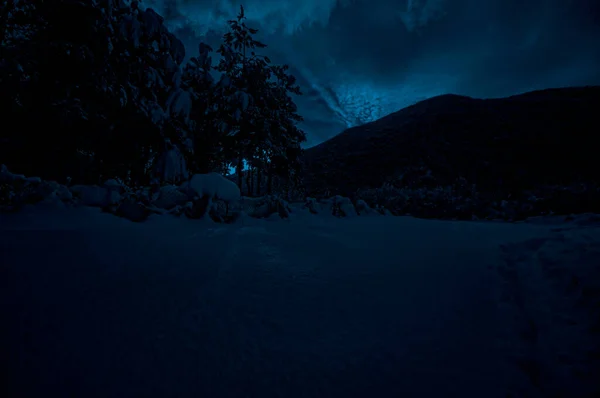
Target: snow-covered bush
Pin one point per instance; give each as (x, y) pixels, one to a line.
(363, 209)
(170, 196)
(312, 205)
(265, 206)
(17, 190)
(454, 202)
(463, 201)
(9, 200)
(340, 206)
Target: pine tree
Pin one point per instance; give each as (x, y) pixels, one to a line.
(237, 54)
(264, 117)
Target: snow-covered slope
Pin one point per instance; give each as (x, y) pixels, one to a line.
(96, 306)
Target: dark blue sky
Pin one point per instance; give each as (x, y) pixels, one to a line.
(358, 60)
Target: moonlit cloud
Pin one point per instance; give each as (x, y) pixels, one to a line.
(358, 60)
(274, 16)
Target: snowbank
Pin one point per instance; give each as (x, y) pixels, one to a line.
(215, 186)
(204, 194)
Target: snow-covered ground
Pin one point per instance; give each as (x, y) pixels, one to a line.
(97, 306)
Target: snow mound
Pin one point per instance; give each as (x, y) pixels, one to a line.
(215, 186)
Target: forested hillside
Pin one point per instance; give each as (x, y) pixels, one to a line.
(456, 156)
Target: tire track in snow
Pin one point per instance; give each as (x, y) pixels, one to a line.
(551, 298)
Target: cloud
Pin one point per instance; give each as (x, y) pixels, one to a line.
(358, 60)
(419, 13)
(274, 16)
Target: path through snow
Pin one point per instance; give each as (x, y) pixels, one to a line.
(96, 306)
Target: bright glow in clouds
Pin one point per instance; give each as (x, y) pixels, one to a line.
(358, 60)
(356, 103)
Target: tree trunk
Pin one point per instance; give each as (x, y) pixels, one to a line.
(249, 182)
(269, 182)
(251, 179)
(258, 180)
(287, 190)
(238, 169)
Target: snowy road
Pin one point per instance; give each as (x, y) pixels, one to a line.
(366, 307)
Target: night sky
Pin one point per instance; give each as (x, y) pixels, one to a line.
(358, 60)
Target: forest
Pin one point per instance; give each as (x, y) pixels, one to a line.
(110, 94)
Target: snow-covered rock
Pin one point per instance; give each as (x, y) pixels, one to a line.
(169, 196)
